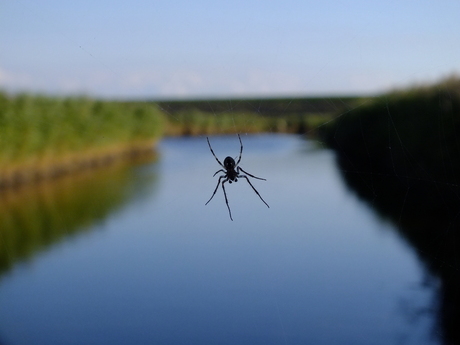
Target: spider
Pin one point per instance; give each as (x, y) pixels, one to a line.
(231, 172)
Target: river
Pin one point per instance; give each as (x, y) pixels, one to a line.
(133, 256)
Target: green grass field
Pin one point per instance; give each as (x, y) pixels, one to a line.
(39, 130)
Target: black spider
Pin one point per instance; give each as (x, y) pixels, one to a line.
(231, 174)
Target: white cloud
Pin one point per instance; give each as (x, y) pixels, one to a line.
(15, 81)
(206, 83)
(183, 83)
(260, 82)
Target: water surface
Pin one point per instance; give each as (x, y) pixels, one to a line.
(151, 264)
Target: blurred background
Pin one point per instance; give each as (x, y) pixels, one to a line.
(350, 111)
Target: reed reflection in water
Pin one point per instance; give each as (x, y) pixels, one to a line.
(35, 217)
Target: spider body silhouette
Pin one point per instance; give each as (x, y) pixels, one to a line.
(231, 173)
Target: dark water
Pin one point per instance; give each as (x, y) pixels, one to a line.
(133, 256)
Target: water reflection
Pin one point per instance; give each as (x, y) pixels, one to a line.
(34, 218)
(426, 214)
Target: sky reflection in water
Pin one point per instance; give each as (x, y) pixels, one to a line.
(317, 267)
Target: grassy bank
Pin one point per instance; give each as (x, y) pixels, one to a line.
(42, 136)
(413, 134)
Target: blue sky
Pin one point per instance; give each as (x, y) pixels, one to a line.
(198, 49)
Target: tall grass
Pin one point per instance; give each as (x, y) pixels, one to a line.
(39, 129)
(411, 133)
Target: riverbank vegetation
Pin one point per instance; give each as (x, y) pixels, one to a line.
(279, 115)
(408, 133)
(413, 133)
(194, 122)
(45, 136)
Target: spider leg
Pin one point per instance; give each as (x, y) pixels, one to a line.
(226, 200)
(218, 161)
(255, 190)
(218, 171)
(259, 178)
(215, 190)
(241, 150)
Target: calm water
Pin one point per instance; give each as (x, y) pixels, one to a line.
(133, 256)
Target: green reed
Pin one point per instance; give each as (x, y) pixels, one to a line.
(42, 127)
(411, 133)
